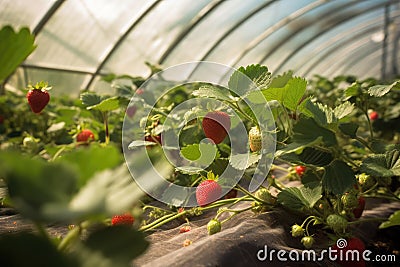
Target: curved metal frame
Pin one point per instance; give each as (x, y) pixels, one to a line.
(231, 30)
(327, 29)
(208, 9)
(118, 43)
(279, 25)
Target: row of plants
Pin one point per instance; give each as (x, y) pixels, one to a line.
(61, 161)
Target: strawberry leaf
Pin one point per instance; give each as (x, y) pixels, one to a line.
(35, 248)
(91, 160)
(281, 80)
(243, 161)
(202, 153)
(307, 130)
(210, 91)
(349, 129)
(116, 244)
(14, 49)
(290, 95)
(382, 165)
(393, 220)
(108, 104)
(246, 79)
(298, 198)
(381, 90)
(90, 99)
(338, 177)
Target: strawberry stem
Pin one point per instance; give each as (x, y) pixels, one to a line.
(107, 134)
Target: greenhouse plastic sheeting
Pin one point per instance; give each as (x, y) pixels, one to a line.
(81, 40)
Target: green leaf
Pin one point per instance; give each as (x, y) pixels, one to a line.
(290, 95)
(117, 244)
(243, 161)
(107, 193)
(56, 127)
(37, 184)
(201, 153)
(315, 157)
(90, 160)
(382, 165)
(281, 80)
(241, 81)
(393, 220)
(298, 198)
(349, 129)
(322, 114)
(338, 177)
(306, 130)
(108, 104)
(343, 110)
(295, 89)
(14, 49)
(28, 249)
(298, 146)
(211, 91)
(381, 90)
(90, 99)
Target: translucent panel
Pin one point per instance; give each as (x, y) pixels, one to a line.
(63, 83)
(209, 31)
(232, 46)
(18, 14)
(152, 35)
(80, 33)
(78, 40)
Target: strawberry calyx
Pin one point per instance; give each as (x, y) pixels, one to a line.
(42, 85)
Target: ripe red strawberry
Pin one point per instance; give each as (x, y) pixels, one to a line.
(360, 208)
(131, 111)
(123, 219)
(373, 115)
(85, 136)
(153, 138)
(38, 98)
(184, 229)
(353, 244)
(216, 125)
(300, 170)
(207, 192)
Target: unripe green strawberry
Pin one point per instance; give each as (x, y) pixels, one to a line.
(366, 181)
(264, 195)
(213, 226)
(337, 223)
(255, 139)
(297, 230)
(30, 142)
(307, 241)
(349, 201)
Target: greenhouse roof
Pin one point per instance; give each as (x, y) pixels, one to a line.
(78, 41)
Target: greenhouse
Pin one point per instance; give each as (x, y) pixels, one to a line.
(199, 133)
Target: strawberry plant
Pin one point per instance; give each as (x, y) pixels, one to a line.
(234, 151)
